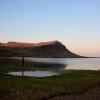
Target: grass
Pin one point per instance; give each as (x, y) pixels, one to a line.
(28, 88)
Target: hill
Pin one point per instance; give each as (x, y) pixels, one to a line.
(52, 49)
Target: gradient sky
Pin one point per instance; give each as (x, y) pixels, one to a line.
(76, 23)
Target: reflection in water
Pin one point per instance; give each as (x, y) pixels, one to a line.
(55, 63)
(49, 66)
(48, 60)
(42, 70)
(34, 73)
(56, 66)
(71, 63)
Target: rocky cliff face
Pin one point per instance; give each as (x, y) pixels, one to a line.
(44, 49)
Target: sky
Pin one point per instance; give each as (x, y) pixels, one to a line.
(75, 23)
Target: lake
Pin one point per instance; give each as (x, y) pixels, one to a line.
(33, 73)
(52, 65)
(71, 63)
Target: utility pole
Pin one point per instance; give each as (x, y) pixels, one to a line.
(22, 61)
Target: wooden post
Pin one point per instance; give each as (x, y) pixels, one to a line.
(23, 61)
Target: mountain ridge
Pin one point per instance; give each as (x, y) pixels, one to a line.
(51, 49)
(24, 44)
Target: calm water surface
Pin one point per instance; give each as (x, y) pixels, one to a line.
(72, 63)
(34, 73)
(64, 63)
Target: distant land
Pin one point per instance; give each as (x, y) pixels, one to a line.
(52, 49)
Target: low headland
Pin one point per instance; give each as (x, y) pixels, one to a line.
(52, 49)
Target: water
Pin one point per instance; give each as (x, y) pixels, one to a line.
(71, 63)
(34, 73)
(59, 64)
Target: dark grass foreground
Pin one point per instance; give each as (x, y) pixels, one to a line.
(64, 87)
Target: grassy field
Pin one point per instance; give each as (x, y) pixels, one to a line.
(28, 88)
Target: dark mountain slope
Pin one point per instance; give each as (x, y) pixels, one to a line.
(45, 49)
